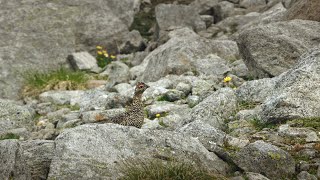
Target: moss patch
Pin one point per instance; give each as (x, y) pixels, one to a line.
(313, 122)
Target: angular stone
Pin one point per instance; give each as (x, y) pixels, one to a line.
(261, 157)
(269, 50)
(82, 61)
(102, 157)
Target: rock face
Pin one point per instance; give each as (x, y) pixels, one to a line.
(178, 54)
(297, 91)
(25, 160)
(170, 16)
(13, 116)
(82, 61)
(215, 108)
(264, 158)
(97, 151)
(41, 34)
(298, 10)
(269, 50)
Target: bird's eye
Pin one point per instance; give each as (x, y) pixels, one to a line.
(141, 86)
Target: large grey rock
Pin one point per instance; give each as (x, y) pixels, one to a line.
(82, 61)
(211, 65)
(253, 4)
(298, 11)
(177, 55)
(13, 115)
(97, 99)
(264, 158)
(60, 97)
(256, 90)
(39, 35)
(304, 175)
(170, 16)
(269, 50)
(25, 160)
(204, 6)
(134, 42)
(80, 155)
(117, 72)
(297, 91)
(215, 108)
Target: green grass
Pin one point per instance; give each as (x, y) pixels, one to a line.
(260, 125)
(313, 122)
(37, 82)
(159, 170)
(41, 79)
(9, 136)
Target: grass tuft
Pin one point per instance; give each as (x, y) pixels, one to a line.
(159, 170)
(61, 79)
(9, 136)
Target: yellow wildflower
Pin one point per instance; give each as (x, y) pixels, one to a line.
(227, 79)
(99, 52)
(104, 52)
(106, 55)
(99, 47)
(112, 56)
(158, 115)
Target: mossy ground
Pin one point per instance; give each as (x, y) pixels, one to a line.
(9, 136)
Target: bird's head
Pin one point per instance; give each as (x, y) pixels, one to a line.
(141, 87)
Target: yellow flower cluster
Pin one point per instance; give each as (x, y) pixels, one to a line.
(103, 58)
(158, 115)
(101, 51)
(227, 79)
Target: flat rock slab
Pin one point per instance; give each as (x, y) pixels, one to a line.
(96, 151)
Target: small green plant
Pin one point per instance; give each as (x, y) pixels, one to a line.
(103, 58)
(9, 136)
(37, 82)
(161, 123)
(162, 98)
(159, 170)
(259, 125)
(312, 122)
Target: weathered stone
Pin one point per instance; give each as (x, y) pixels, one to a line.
(252, 4)
(239, 69)
(102, 157)
(215, 108)
(173, 95)
(91, 84)
(255, 176)
(82, 61)
(134, 43)
(193, 101)
(304, 175)
(298, 11)
(39, 35)
(60, 97)
(222, 10)
(211, 65)
(184, 87)
(98, 99)
(117, 72)
(207, 19)
(177, 55)
(170, 16)
(13, 115)
(261, 157)
(296, 92)
(162, 108)
(269, 50)
(204, 6)
(25, 160)
(309, 135)
(256, 90)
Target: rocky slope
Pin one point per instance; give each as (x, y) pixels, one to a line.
(234, 88)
